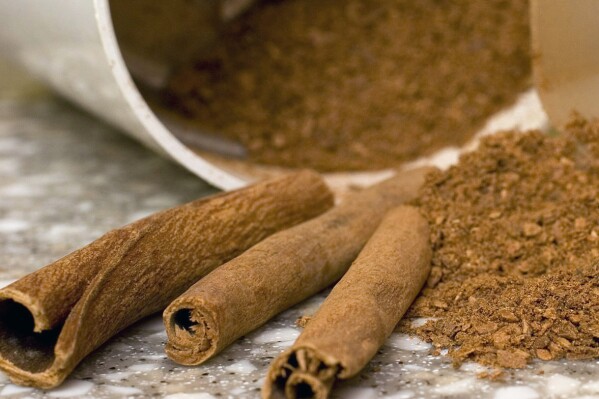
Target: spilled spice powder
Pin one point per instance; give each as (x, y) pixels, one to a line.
(515, 234)
(356, 84)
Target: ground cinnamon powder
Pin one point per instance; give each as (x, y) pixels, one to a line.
(356, 84)
(515, 235)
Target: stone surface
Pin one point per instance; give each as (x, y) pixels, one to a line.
(66, 178)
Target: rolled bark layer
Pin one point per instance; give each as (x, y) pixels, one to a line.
(279, 272)
(51, 319)
(360, 313)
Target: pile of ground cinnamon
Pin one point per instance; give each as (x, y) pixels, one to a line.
(515, 235)
(357, 84)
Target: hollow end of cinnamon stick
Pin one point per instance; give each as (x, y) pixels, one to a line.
(27, 349)
(306, 386)
(301, 373)
(192, 333)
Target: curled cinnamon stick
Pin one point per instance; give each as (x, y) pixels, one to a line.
(51, 319)
(360, 313)
(278, 272)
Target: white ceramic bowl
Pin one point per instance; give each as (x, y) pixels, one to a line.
(72, 46)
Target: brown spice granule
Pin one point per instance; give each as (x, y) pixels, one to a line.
(515, 236)
(303, 321)
(357, 84)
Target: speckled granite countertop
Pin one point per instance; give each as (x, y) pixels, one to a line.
(66, 178)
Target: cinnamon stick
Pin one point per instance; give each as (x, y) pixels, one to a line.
(51, 319)
(360, 313)
(279, 272)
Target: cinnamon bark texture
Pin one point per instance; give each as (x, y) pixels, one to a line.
(54, 317)
(360, 313)
(279, 272)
